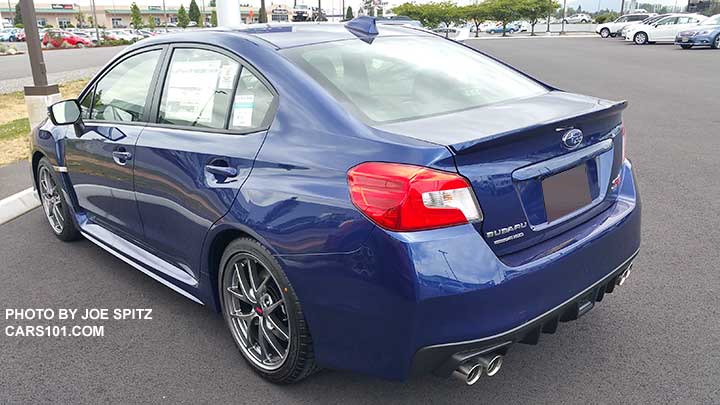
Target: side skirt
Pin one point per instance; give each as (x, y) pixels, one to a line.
(137, 257)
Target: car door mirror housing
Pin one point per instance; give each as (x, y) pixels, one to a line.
(65, 112)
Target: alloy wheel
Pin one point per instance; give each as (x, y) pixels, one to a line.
(51, 200)
(640, 38)
(257, 311)
(717, 41)
(605, 33)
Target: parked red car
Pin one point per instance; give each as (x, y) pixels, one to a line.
(55, 39)
(20, 36)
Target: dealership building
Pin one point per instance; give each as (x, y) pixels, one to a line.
(64, 15)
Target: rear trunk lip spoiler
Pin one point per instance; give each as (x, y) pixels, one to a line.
(468, 146)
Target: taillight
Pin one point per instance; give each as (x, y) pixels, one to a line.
(403, 197)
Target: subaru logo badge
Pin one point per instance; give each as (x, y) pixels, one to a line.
(572, 138)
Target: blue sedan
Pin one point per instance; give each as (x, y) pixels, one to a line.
(707, 33)
(349, 196)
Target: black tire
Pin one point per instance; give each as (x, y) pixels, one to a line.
(613, 35)
(62, 225)
(716, 42)
(605, 32)
(640, 38)
(299, 362)
(686, 46)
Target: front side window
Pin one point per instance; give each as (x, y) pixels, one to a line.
(198, 89)
(121, 94)
(621, 19)
(404, 78)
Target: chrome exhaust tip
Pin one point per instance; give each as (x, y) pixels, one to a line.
(470, 373)
(623, 276)
(491, 364)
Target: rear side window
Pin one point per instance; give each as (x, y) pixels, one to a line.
(198, 89)
(121, 94)
(252, 103)
(404, 78)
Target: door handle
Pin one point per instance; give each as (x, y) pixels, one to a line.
(121, 157)
(223, 171)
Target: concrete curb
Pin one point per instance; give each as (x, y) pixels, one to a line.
(18, 204)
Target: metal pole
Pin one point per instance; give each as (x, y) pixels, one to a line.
(37, 63)
(562, 27)
(95, 21)
(622, 7)
(165, 15)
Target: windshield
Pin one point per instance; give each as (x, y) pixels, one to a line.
(714, 20)
(404, 78)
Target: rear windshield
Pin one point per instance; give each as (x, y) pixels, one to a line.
(404, 78)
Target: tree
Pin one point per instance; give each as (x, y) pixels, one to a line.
(212, 3)
(213, 18)
(505, 11)
(80, 17)
(477, 13)
(194, 12)
(349, 13)
(18, 15)
(151, 22)
(135, 16)
(369, 6)
(91, 22)
(433, 15)
(183, 19)
(534, 10)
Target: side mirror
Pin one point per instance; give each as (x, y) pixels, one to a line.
(65, 112)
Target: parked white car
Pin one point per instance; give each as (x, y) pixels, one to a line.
(663, 30)
(613, 29)
(580, 18)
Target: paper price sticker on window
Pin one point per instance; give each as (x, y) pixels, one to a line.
(243, 106)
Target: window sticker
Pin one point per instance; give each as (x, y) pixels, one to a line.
(243, 106)
(227, 76)
(191, 90)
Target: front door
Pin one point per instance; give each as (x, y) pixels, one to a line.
(211, 118)
(99, 154)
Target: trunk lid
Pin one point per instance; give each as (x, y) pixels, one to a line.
(531, 184)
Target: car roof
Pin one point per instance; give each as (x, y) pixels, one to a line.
(289, 35)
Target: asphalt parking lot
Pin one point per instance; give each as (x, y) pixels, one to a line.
(657, 339)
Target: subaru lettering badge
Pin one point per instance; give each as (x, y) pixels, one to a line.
(572, 138)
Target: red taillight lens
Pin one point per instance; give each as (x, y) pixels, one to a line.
(403, 197)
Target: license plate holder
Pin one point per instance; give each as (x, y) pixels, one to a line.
(566, 192)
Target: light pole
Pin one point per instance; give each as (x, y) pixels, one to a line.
(95, 21)
(562, 26)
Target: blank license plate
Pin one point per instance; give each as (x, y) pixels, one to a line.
(566, 192)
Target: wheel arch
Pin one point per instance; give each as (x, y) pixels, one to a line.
(35, 161)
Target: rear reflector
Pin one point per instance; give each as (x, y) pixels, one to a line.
(403, 197)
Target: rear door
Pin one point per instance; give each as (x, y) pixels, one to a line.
(665, 30)
(99, 154)
(211, 113)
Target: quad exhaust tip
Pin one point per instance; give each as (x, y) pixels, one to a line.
(471, 371)
(624, 275)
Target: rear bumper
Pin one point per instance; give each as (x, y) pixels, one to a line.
(443, 359)
(406, 304)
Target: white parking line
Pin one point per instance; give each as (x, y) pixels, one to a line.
(18, 204)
